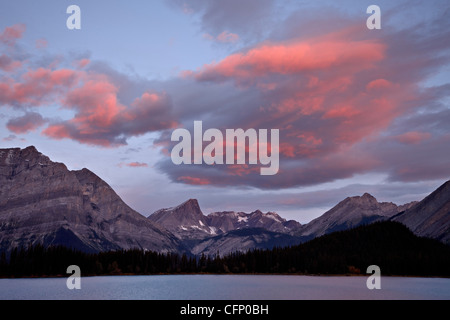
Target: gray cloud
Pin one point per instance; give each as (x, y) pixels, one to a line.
(248, 19)
(30, 121)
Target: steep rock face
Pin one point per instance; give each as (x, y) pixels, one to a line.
(431, 216)
(349, 213)
(185, 221)
(43, 202)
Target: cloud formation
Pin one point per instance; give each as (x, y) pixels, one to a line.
(260, 63)
(100, 117)
(30, 121)
(346, 100)
(133, 165)
(224, 37)
(11, 34)
(248, 18)
(340, 99)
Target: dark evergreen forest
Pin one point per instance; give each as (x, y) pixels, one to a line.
(390, 245)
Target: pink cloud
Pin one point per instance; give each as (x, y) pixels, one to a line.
(134, 165)
(379, 84)
(293, 58)
(413, 137)
(37, 86)
(10, 35)
(96, 103)
(59, 132)
(41, 43)
(82, 63)
(7, 64)
(242, 170)
(101, 119)
(344, 111)
(224, 37)
(228, 37)
(194, 181)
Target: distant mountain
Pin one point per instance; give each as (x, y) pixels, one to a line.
(185, 221)
(43, 202)
(225, 232)
(350, 213)
(431, 216)
(226, 221)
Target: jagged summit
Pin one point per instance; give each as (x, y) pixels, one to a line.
(32, 149)
(186, 210)
(191, 205)
(366, 198)
(185, 220)
(13, 155)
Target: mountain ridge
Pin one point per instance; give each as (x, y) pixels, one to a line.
(351, 212)
(43, 202)
(189, 216)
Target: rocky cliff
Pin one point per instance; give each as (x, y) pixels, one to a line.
(43, 202)
(431, 216)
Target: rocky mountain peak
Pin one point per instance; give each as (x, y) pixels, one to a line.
(368, 196)
(189, 209)
(41, 201)
(32, 150)
(184, 221)
(190, 206)
(351, 212)
(365, 199)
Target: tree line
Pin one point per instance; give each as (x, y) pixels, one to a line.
(390, 245)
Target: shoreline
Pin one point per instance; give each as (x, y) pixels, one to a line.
(222, 274)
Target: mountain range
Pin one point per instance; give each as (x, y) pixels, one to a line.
(227, 231)
(43, 202)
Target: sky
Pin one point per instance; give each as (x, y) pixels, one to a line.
(358, 110)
